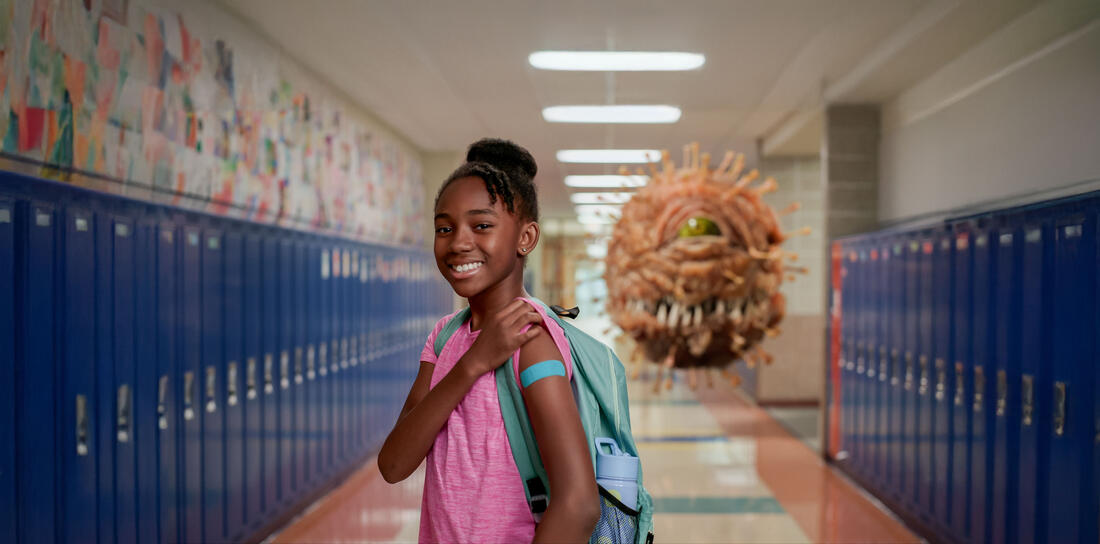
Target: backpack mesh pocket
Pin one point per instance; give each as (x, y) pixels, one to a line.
(618, 524)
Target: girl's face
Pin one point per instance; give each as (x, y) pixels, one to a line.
(478, 245)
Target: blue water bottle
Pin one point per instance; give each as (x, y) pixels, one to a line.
(617, 472)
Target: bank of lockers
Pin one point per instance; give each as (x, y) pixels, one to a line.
(185, 377)
(965, 381)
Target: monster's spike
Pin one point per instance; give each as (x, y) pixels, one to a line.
(792, 256)
(666, 161)
(791, 277)
(624, 171)
(747, 179)
(791, 208)
(687, 156)
(772, 332)
(738, 165)
(768, 186)
(804, 231)
(705, 163)
(639, 171)
(733, 277)
(694, 155)
(767, 357)
(750, 359)
(727, 159)
(797, 269)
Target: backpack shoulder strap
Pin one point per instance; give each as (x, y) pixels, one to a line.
(449, 329)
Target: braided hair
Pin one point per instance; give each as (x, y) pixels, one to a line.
(508, 171)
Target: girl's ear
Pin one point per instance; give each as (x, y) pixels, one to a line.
(528, 239)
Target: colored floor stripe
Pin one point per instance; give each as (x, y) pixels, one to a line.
(697, 438)
(716, 505)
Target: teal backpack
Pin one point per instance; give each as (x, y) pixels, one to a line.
(599, 387)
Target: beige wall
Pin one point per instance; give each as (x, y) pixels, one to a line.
(1016, 114)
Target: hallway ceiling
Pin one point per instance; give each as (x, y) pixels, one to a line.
(444, 73)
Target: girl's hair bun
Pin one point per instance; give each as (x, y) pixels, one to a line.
(504, 155)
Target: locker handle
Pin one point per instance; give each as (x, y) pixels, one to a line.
(284, 370)
(269, 374)
(979, 388)
(231, 397)
(1002, 392)
(960, 384)
(908, 371)
(860, 359)
(883, 364)
(123, 416)
(1027, 397)
(941, 379)
(1059, 408)
(335, 355)
(849, 356)
(344, 353)
(211, 389)
(298, 366)
(162, 403)
(896, 365)
(250, 379)
(354, 351)
(311, 373)
(322, 368)
(188, 391)
(81, 425)
(922, 389)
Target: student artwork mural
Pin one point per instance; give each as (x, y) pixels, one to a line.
(695, 263)
(136, 94)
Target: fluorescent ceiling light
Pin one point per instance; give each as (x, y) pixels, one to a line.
(603, 61)
(596, 251)
(613, 156)
(612, 114)
(605, 181)
(600, 198)
(595, 220)
(592, 209)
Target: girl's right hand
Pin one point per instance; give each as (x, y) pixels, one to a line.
(501, 335)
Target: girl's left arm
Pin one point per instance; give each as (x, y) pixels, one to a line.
(574, 504)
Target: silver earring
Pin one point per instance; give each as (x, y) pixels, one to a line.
(523, 250)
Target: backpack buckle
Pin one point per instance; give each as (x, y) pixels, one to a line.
(539, 500)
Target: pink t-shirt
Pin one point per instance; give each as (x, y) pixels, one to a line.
(472, 488)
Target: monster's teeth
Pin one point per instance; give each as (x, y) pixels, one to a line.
(662, 314)
(735, 313)
(697, 316)
(685, 318)
(720, 309)
(673, 315)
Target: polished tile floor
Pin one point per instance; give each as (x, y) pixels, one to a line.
(719, 468)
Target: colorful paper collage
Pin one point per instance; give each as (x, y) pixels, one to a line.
(111, 88)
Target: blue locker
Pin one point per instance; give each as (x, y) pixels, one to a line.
(123, 429)
(318, 270)
(301, 336)
(328, 362)
(339, 354)
(235, 461)
(371, 349)
(1006, 351)
(941, 380)
(925, 402)
(961, 290)
(881, 288)
(981, 433)
(1070, 516)
(847, 347)
(286, 391)
(269, 398)
(213, 403)
(190, 388)
(1034, 381)
(145, 379)
(896, 404)
(354, 424)
(855, 460)
(910, 430)
(8, 504)
(168, 413)
(35, 404)
(253, 405)
(78, 399)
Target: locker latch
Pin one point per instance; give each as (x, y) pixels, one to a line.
(908, 371)
(231, 383)
(861, 367)
(269, 374)
(123, 424)
(211, 389)
(1002, 392)
(354, 351)
(883, 364)
(895, 379)
(979, 388)
(941, 379)
(284, 370)
(250, 378)
(922, 388)
(335, 349)
(849, 357)
(322, 368)
(1059, 408)
(364, 353)
(344, 353)
(960, 384)
(81, 425)
(188, 392)
(310, 363)
(297, 366)
(162, 403)
(1027, 398)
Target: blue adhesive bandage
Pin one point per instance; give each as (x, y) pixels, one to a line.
(538, 371)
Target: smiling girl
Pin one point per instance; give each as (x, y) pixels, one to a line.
(486, 223)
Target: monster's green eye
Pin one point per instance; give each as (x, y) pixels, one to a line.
(699, 226)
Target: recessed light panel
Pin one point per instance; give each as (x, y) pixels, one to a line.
(607, 61)
(612, 114)
(605, 181)
(609, 156)
(600, 198)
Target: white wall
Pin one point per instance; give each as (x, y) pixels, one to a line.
(1018, 113)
